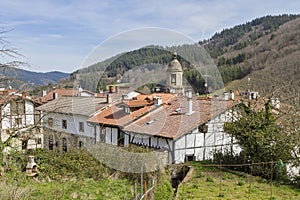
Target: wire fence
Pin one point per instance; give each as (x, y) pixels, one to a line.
(221, 168)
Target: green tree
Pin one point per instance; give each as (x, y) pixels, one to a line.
(261, 139)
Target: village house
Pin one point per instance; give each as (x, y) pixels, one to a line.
(183, 126)
(59, 92)
(65, 121)
(112, 120)
(19, 118)
(186, 127)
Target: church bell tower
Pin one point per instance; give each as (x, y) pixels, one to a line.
(174, 76)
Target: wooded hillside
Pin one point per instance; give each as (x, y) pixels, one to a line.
(267, 46)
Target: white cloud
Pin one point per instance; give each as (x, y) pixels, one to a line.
(75, 26)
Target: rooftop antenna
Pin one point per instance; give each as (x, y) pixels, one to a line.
(205, 78)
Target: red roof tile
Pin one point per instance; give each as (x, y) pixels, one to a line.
(115, 115)
(60, 93)
(165, 122)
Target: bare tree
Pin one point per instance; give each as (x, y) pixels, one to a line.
(12, 103)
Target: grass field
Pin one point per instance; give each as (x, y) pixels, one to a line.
(205, 183)
(71, 189)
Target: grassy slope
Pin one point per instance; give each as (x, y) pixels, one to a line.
(72, 175)
(205, 184)
(83, 189)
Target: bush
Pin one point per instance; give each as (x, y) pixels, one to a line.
(76, 163)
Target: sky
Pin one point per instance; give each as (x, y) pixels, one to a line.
(61, 34)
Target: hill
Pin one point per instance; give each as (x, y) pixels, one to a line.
(247, 49)
(273, 63)
(19, 78)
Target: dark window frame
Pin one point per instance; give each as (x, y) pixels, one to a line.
(81, 126)
(64, 124)
(50, 122)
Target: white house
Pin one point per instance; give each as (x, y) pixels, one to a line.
(186, 136)
(59, 92)
(65, 120)
(188, 129)
(110, 122)
(20, 117)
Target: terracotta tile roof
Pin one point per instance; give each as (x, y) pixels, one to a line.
(60, 93)
(7, 92)
(74, 105)
(116, 116)
(15, 97)
(166, 122)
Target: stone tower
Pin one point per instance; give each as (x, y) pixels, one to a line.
(174, 76)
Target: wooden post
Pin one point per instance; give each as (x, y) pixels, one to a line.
(142, 180)
(135, 191)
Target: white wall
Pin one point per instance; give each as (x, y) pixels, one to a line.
(29, 110)
(202, 145)
(72, 124)
(8, 121)
(6, 117)
(151, 141)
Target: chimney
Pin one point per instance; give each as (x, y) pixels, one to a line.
(189, 96)
(116, 89)
(24, 95)
(275, 103)
(44, 93)
(231, 95)
(111, 88)
(225, 96)
(55, 95)
(157, 101)
(80, 89)
(108, 98)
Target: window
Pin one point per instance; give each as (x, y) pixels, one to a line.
(121, 138)
(173, 78)
(51, 142)
(126, 110)
(81, 126)
(64, 124)
(203, 128)
(64, 144)
(18, 121)
(103, 134)
(190, 158)
(50, 122)
(81, 144)
(38, 140)
(17, 108)
(24, 144)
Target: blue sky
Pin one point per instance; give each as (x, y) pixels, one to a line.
(59, 35)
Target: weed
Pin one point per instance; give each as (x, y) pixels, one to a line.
(241, 183)
(209, 179)
(221, 195)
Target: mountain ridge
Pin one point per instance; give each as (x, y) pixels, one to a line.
(21, 78)
(237, 52)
